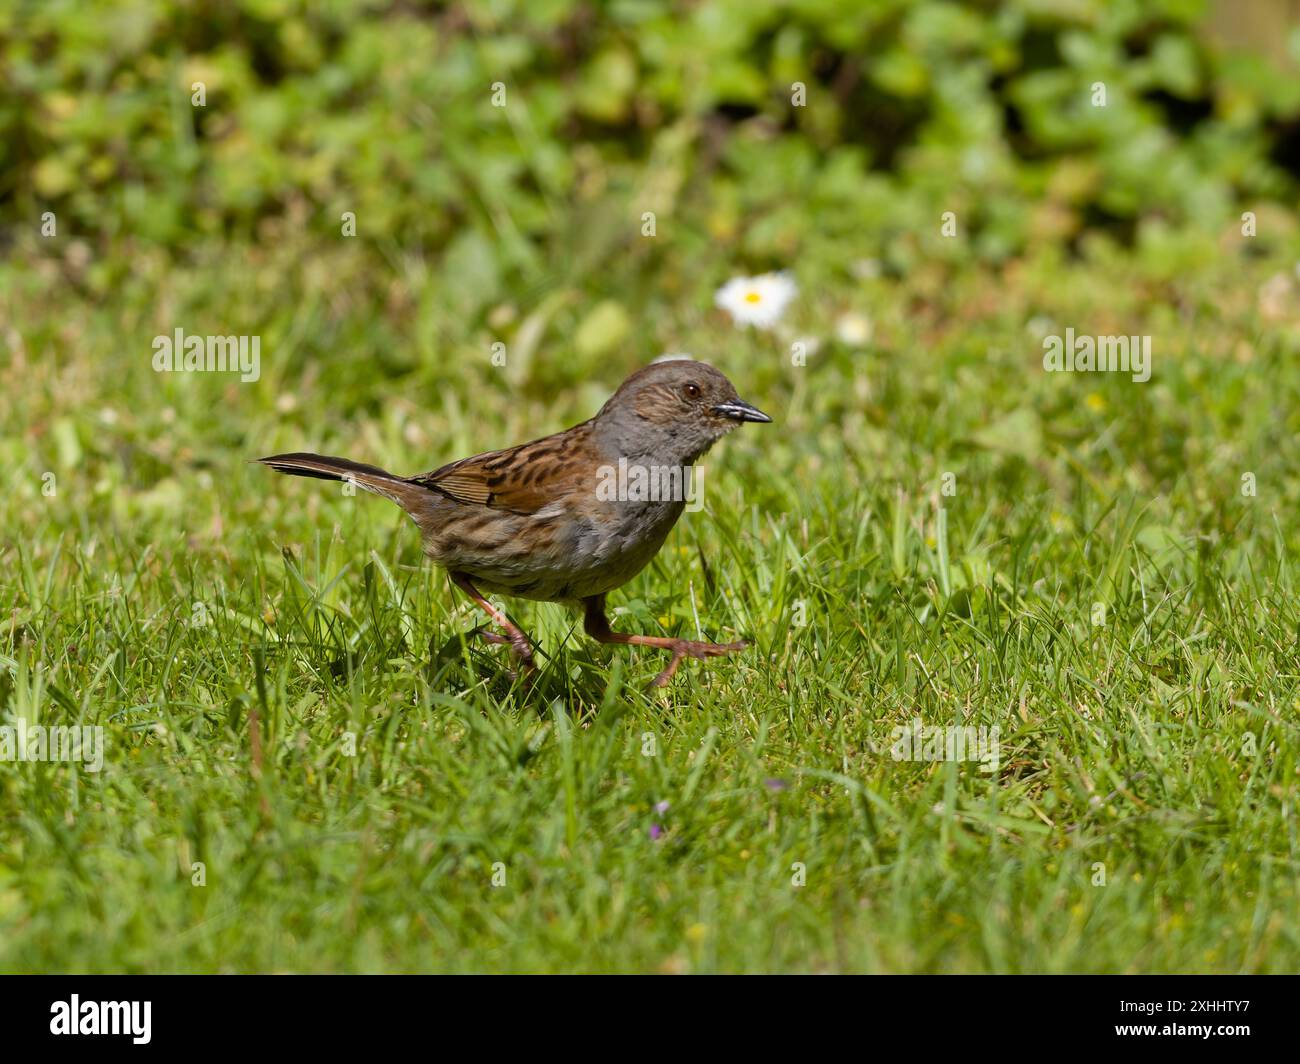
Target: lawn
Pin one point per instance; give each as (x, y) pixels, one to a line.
(308, 768)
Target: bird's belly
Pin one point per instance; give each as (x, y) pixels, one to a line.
(566, 556)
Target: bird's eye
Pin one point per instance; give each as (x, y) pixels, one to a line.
(692, 391)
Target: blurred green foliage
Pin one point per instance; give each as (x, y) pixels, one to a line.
(683, 109)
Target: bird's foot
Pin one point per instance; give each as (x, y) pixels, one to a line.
(488, 637)
(693, 648)
(517, 642)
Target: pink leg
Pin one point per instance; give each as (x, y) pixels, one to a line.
(517, 640)
(596, 625)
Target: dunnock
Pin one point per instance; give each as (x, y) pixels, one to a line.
(547, 520)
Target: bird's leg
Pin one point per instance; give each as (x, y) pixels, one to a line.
(517, 640)
(597, 626)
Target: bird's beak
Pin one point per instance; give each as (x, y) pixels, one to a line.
(739, 410)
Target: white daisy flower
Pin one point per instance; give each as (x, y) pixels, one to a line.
(758, 301)
(853, 329)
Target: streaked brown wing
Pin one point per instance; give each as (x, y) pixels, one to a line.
(521, 479)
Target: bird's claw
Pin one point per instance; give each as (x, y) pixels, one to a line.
(694, 648)
(520, 647)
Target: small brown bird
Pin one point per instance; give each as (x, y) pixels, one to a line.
(569, 517)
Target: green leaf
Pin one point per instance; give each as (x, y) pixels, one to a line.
(603, 329)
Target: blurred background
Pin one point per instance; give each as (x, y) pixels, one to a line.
(684, 109)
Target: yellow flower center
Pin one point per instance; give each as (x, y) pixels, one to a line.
(753, 297)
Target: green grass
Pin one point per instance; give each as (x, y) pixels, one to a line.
(1124, 744)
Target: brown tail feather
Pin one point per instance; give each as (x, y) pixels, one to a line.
(326, 467)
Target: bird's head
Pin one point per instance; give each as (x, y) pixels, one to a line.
(675, 410)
